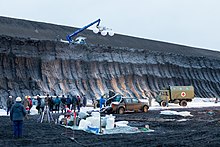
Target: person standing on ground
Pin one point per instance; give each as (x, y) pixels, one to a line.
(63, 104)
(84, 100)
(9, 102)
(26, 104)
(68, 101)
(17, 115)
(74, 101)
(50, 103)
(46, 100)
(42, 105)
(38, 104)
(216, 100)
(78, 102)
(57, 104)
(94, 102)
(149, 96)
(101, 101)
(30, 102)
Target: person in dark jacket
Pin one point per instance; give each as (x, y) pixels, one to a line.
(42, 104)
(50, 103)
(17, 115)
(63, 104)
(57, 104)
(38, 104)
(84, 100)
(9, 102)
(74, 103)
(78, 102)
(111, 93)
(68, 101)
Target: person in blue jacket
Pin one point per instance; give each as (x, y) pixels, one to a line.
(102, 101)
(68, 101)
(17, 115)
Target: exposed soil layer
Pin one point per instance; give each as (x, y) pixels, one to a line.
(202, 129)
(34, 61)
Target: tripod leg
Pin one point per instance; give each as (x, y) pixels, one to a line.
(42, 118)
(51, 117)
(48, 115)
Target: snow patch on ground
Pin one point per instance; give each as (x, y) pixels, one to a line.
(170, 112)
(3, 112)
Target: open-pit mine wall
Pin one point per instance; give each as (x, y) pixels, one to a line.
(30, 67)
(39, 66)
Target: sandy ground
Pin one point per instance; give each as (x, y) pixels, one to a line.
(201, 129)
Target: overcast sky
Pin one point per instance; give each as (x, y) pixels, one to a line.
(188, 22)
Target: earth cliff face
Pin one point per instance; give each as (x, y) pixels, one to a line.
(35, 63)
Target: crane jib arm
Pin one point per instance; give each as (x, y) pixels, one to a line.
(69, 37)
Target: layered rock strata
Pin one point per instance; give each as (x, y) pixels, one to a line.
(32, 65)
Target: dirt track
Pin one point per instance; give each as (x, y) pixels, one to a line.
(200, 130)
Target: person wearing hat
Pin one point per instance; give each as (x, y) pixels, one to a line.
(17, 115)
(9, 102)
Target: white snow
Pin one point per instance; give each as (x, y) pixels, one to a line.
(3, 112)
(170, 112)
(33, 110)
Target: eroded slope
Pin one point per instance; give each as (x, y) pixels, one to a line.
(34, 63)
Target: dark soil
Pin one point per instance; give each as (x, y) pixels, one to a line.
(200, 130)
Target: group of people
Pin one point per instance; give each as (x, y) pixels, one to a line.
(27, 102)
(56, 103)
(19, 108)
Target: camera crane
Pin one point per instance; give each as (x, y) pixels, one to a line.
(99, 29)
